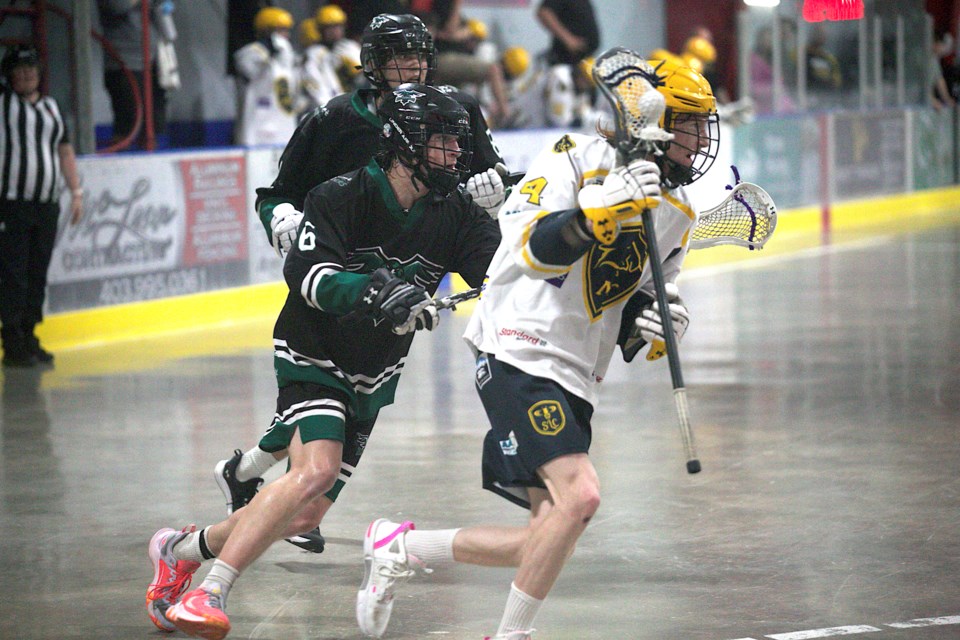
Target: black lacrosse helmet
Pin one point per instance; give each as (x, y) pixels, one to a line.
(388, 36)
(16, 56)
(413, 113)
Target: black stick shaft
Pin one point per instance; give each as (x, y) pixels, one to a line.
(670, 339)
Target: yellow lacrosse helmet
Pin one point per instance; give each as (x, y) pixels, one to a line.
(331, 15)
(586, 67)
(272, 18)
(658, 55)
(690, 101)
(477, 28)
(693, 62)
(516, 61)
(309, 33)
(701, 48)
(685, 89)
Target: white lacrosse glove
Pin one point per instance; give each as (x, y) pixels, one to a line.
(283, 227)
(423, 316)
(487, 190)
(624, 194)
(648, 329)
(650, 326)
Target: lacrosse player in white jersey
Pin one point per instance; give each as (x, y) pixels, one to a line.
(568, 283)
(270, 81)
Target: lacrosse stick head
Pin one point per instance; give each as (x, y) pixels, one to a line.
(691, 118)
(747, 217)
(629, 84)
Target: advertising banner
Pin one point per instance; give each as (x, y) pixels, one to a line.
(265, 264)
(869, 154)
(154, 226)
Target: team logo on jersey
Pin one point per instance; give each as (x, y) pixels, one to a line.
(484, 375)
(547, 417)
(613, 270)
(510, 445)
(416, 269)
(564, 144)
(406, 97)
(281, 88)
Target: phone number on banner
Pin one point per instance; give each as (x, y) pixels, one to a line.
(152, 285)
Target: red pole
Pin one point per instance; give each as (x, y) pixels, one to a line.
(150, 137)
(825, 177)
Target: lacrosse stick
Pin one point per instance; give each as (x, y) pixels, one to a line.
(446, 302)
(451, 301)
(628, 82)
(747, 217)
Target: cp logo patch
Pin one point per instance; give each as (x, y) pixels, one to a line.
(547, 417)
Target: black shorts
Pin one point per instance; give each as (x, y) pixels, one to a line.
(321, 413)
(532, 421)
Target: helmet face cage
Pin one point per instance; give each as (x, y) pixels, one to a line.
(418, 118)
(388, 37)
(691, 116)
(698, 134)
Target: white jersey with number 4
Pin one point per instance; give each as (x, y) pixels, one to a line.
(561, 321)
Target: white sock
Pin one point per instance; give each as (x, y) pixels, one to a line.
(431, 547)
(193, 547)
(519, 613)
(221, 575)
(254, 463)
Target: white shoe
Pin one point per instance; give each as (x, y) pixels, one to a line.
(385, 563)
(513, 635)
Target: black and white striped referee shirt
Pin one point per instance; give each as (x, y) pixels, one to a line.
(30, 135)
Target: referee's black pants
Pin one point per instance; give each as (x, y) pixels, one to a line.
(28, 231)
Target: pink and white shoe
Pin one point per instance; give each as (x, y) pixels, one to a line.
(386, 565)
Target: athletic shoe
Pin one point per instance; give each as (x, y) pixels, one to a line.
(171, 577)
(237, 493)
(310, 541)
(200, 614)
(386, 564)
(513, 635)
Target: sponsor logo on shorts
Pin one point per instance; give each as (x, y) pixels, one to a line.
(509, 446)
(523, 336)
(484, 375)
(547, 417)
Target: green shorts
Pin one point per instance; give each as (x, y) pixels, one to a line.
(320, 413)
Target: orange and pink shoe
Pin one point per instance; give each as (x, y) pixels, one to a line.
(200, 613)
(171, 577)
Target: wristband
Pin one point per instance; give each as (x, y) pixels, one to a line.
(78, 191)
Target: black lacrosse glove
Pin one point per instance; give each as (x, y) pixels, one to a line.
(405, 306)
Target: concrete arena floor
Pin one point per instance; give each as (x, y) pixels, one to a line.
(824, 390)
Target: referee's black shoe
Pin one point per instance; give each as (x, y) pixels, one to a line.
(20, 359)
(42, 355)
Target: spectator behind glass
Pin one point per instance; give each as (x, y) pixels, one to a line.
(122, 27)
(31, 169)
(573, 27)
(457, 63)
(941, 94)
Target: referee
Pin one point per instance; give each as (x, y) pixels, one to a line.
(34, 151)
